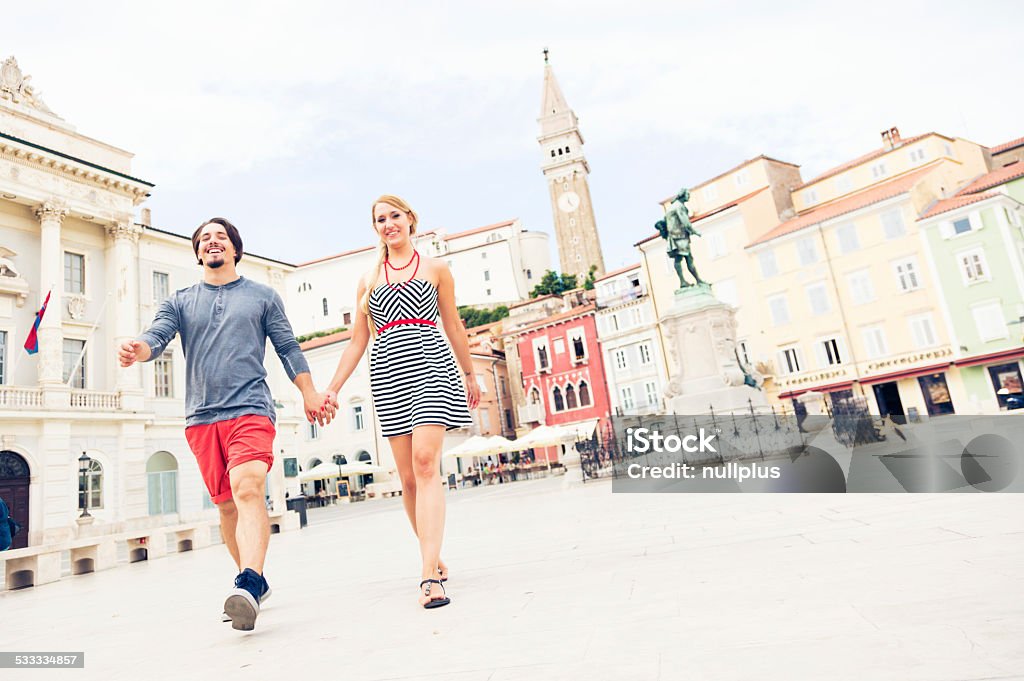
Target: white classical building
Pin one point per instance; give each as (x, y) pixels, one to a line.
(67, 229)
(627, 327)
(494, 265)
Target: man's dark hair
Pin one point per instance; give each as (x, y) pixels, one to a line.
(233, 235)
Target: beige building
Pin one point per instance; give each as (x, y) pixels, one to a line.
(496, 413)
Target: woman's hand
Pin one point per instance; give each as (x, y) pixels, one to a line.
(472, 392)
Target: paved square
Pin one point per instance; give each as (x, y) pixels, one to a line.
(578, 583)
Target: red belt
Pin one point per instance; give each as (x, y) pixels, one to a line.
(397, 322)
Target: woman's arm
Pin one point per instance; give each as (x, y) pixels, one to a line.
(356, 346)
(456, 336)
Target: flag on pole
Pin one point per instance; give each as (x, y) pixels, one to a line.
(32, 342)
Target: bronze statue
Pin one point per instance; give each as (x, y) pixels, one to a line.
(676, 230)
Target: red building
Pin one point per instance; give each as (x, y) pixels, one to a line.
(560, 363)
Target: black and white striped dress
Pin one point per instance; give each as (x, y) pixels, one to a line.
(412, 371)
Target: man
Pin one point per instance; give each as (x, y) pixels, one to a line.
(676, 230)
(224, 322)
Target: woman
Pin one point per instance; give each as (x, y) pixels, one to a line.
(417, 390)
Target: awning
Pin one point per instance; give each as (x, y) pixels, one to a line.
(583, 430)
(907, 373)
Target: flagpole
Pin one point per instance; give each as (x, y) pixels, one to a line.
(17, 355)
(85, 345)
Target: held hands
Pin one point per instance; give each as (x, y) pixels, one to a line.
(472, 392)
(133, 351)
(320, 407)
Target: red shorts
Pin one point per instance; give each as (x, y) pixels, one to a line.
(219, 447)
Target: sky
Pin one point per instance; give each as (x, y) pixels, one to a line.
(290, 121)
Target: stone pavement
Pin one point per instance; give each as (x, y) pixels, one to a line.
(576, 584)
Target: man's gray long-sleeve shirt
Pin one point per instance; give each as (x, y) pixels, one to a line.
(224, 331)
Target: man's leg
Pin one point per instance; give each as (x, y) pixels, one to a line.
(228, 525)
(252, 532)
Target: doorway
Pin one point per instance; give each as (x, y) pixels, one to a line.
(14, 482)
(887, 395)
(936, 394)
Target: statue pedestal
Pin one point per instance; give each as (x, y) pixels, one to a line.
(700, 331)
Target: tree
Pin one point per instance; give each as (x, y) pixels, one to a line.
(588, 283)
(473, 317)
(553, 282)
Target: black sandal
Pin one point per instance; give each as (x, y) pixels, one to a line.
(435, 602)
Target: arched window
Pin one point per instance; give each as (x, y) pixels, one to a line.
(559, 151)
(364, 456)
(534, 396)
(162, 483)
(325, 307)
(91, 486)
(552, 153)
(557, 396)
(584, 394)
(567, 150)
(570, 397)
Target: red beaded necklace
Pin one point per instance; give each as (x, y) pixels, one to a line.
(415, 254)
(396, 287)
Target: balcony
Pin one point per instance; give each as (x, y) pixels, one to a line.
(22, 397)
(620, 298)
(531, 413)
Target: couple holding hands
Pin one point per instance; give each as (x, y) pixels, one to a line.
(418, 391)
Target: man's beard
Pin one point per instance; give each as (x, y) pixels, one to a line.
(215, 264)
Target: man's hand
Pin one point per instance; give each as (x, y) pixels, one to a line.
(132, 352)
(319, 407)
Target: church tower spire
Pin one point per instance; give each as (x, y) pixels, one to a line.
(566, 170)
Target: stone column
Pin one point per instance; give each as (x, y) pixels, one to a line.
(123, 279)
(51, 279)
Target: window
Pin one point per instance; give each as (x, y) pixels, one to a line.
(878, 170)
(744, 352)
(638, 316)
(627, 397)
(357, 417)
(534, 396)
(540, 349)
(3, 357)
(509, 425)
(73, 352)
(620, 359)
(973, 267)
(529, 274)
(161, 286)
(843, 184)
(769, 268)
(570, 397)
(487, 275)
(988, 318)
(485, 420)
(716, 244)
(579, 346)
(817, 297)
(948, 149)
(922, 330)
(163, 372)
(91, 487)
(312, 432)
(917, 155)
(829, 352)
(162, 483)
(613, 321)
(741, 178)
(906, 275)
(483, 254)
(861, 289)
(488, 291)
(556, 396)
(584, 394)
(483, 384)
(779, 309)
(504, 385)
(325, 307)
(346, 318)
(790, 360)
(74, 273)
(874, 341)
(847, 235)
(710, 193)
(651, 389)
(810, 196)
(892, 224)
(807, 250)
(645, 353)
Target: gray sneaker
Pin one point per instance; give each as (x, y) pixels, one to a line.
(225, 617)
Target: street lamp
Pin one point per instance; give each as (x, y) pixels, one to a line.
(83, 470)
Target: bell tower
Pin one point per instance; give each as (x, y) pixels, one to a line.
(566, 171)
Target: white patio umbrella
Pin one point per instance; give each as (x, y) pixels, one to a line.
(321, 471)
(542, 436)
(470, 448)
(496, 444)
(359, 468)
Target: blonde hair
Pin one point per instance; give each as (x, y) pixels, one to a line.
(382, 250)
